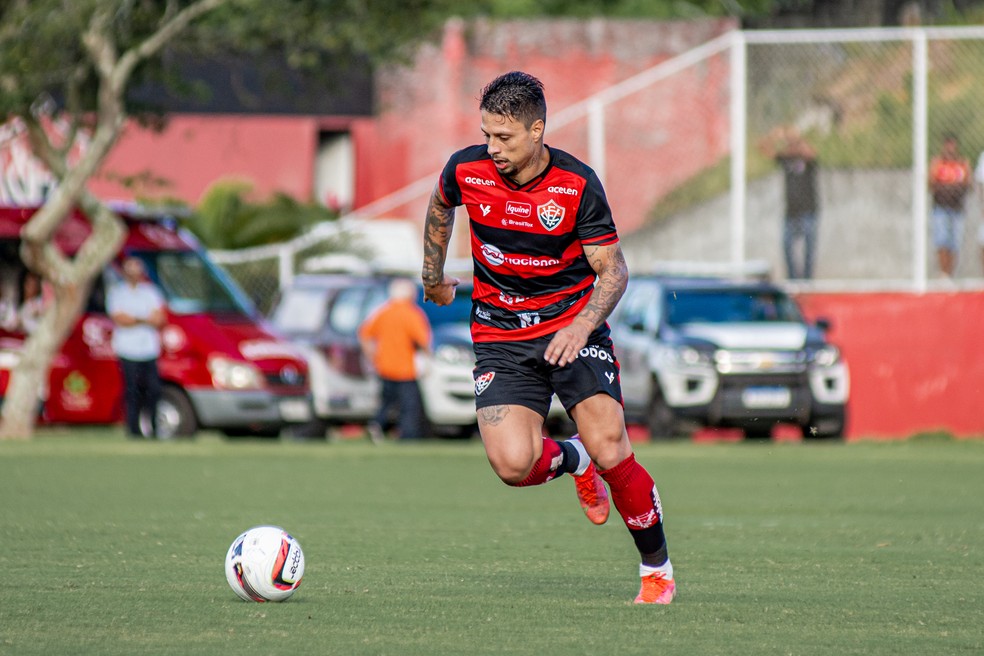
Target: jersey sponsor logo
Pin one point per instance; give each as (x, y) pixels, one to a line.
(484, 315)
(483, 381)
(567, 191)
(485, 209)
(550, 214)
(610, 375)
(495, 257)
(524, 210)
(492, 255)
(481, 182)
(518, 224)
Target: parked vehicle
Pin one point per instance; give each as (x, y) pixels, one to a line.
(322, 313)
(716, 352)
(221, 366)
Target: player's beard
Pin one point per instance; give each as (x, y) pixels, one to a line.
(507, 171)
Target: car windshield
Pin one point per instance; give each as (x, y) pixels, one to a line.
(301, 310)
(729, 306)
(192, 285)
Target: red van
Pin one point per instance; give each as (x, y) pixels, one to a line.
(222, 367)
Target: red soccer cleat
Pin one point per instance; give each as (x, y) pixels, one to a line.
(656, 589)
(592, 494)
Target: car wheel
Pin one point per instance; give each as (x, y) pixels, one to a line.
(661, 421)
(825, 427)
(175, 415)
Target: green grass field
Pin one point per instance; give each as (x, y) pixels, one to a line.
(112, 547)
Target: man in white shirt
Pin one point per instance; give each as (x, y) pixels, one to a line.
(137, 309)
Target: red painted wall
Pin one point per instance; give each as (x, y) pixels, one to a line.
(274, 153)
(654, 139)
(916, 360)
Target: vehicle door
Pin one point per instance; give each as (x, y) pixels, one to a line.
(634, 330)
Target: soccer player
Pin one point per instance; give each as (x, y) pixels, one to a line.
(548, 272)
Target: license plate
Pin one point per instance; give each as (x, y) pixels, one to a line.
(766, 397)
(295, 410)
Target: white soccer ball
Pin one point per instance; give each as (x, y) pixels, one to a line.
(264, 564)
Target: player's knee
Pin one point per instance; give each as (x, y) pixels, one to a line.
(608, 448)
(512, 475)
(511, 470)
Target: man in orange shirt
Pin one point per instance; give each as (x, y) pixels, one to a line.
(391, 337)
(950, 178)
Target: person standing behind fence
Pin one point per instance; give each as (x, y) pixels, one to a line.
(979, 179)
(798, 161)
(949, 182)
(136, 307)
(391, 337)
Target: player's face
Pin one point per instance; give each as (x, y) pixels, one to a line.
(512, 147)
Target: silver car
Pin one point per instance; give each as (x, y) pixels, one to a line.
(321, 314)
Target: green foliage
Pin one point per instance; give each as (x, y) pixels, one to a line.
(116, 548)
(227, 219)
(41, 50)
(661, 9)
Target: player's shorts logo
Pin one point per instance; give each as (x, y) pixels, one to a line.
(550, 214)
(483, 381)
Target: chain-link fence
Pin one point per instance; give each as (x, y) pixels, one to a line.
(349, 245)
(873, 104)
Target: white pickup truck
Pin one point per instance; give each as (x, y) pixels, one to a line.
(717, 352)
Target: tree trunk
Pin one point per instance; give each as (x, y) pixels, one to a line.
(28, 381)
(71, 280)
(71, 291)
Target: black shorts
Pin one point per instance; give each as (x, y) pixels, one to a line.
(516, 373)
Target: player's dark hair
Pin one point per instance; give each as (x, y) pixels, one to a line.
(516, 95)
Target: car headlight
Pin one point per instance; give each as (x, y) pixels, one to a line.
(234, 374)
(826, 356)
(454, 354)
(688, 355)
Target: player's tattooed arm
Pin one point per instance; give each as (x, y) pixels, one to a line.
(492, 415)
(438, 223)
(437, 234)
(613, 275)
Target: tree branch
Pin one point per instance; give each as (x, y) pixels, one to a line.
(152, 44)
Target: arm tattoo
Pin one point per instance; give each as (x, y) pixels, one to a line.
(437, 235)
(493, 415)
(613, 275)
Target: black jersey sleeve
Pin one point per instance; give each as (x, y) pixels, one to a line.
(449, 188)
(595, 225)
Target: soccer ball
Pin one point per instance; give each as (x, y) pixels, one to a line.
(264, 564)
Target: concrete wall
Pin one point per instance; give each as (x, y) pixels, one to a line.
(865, 230)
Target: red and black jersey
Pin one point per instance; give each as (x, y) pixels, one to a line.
(531, 274)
